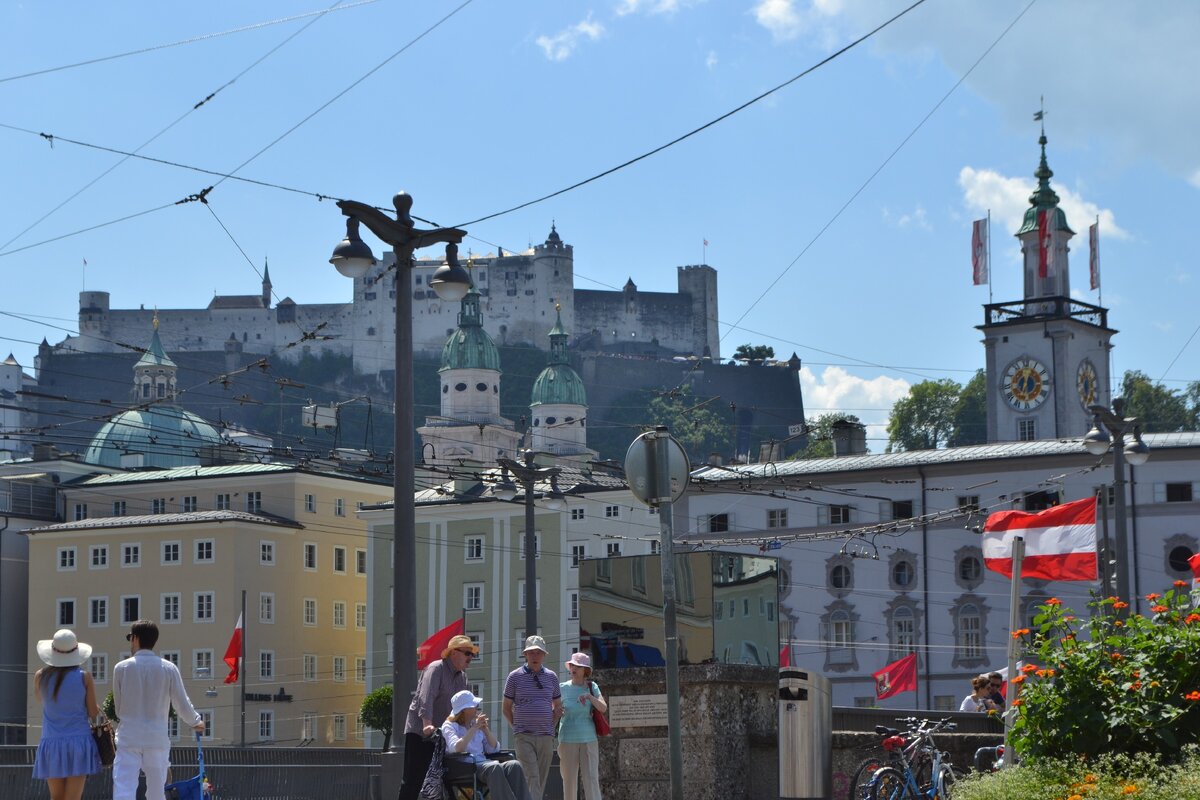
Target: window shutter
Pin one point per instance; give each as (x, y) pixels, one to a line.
(1195, 490)
(822, 515)
(1160, 493)
(885, 510)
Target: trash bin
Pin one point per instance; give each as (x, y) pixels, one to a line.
(805, 735)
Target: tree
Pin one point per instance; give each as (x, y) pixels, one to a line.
(970, 413)
(1160, 410)
(753, 353)
(701, 426)
(376, 712)
(925, 419)
(820, 434)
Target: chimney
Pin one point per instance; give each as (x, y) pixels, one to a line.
(849, 438)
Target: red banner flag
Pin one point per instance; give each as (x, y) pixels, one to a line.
(1194, 563)
(979, 251)
(899, 676)
(1045, 244)
(431, 649)
(233, 653)
(785, 656)
(1094, 256)
(1060, 542)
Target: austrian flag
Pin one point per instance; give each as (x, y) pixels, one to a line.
(1060, 542)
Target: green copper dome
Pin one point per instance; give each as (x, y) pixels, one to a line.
(166, 435)
(1043, 198)
(470, 347)
(558, 383)
(155, 356)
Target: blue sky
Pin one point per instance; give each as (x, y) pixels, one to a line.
(505, 102)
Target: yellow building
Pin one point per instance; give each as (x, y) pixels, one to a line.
(181, 546)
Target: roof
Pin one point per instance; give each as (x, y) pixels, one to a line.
(181, 518)
(236, 301)
(166, 435)
(571, 481)
(182, 473)
(470, 347)
(155, 356)
(558, 384)
(923, 458)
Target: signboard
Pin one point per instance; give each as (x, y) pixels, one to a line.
(797, 430)
(637, 469)
(638, 711)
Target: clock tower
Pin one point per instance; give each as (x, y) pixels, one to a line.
(1047, 354)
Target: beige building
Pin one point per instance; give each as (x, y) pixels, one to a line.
(181, 546)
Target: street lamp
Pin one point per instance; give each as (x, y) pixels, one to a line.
(1108, 431)
(352, 258)
(528, 474)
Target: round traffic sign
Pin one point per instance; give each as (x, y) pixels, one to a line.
(637, 468)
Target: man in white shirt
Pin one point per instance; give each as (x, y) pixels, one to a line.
(145, 687)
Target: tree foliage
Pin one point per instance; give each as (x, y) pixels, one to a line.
(1160, 410)
(376, 712)
(753, 353)
(702, 426)
(970, 413)
(925, 419)
(820, 434)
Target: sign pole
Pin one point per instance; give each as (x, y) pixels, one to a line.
(1014, 624)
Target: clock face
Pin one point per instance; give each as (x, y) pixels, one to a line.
(1026, 384)
(1085, 383)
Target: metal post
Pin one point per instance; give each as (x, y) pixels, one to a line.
(404, 520)
(1106, 553)
(657, 458)
(1014, 624)
(243, 665)
(530, 549)
(1121, 543)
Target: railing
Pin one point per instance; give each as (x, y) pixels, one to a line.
(864, 720)
(1044, 308)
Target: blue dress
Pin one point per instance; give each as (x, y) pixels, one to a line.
(67, 747)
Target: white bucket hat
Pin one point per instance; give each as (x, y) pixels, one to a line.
(462, 701)
(535, 643)
(64, 650)
(579, 660)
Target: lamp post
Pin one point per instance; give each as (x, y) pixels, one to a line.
(1109, 430)
(353, 258)
(528, 474)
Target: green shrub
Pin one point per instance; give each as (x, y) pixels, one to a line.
(1109, 777)
(376, 712)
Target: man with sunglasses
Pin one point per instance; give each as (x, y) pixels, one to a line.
(533, 706)
(430, 707)
(996, 683)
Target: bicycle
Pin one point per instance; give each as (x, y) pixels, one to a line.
(906, 778)
(916, 751)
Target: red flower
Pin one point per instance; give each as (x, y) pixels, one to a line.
(1136, 685)
(1160, 609)
(1054, 601)
(1193, 696)
(1120, 604)
(1018, 679)
(1150, 598)
(1192, 618)
(1180, 584)
(1117, 656)
(1028, 668)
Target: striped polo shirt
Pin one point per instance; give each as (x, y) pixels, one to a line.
(533, 704)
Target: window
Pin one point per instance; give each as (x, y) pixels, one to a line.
(637, 568)
(131, 609)
(777, 518)
(266, 607)
(1026, 430)
(310, 503)
(310, 611)
(266, 664)
(969, 569)
(173, 727)
(266, 553)
(839, 638)
(474, 548)
(66, 558)
(158, 505)
(204, 551)
(360, 616)
(360, 561)
(745, 606)
(207, 717)
(202, 662)
(339, 559)
(655, 544)
(904, 632)
(339, 613)
(968, 503)
(99, 667)
(1176, 492)
(203, 607)
(578, 553)
(118, 508)
(572, 605)
(310, 667)
(172, 656)
(473, 596)
(254, 502)
(612, 512)
(310, 556)
(537, 594)
(537, 546)
(339, 669)
(266, 725)
(841, 577)
(131, 555)
(577, 514)
(1040, 501)
(904, 574)
(66, 613)
(902, 509)
(970, 632)
(719, 610)
(170, 607)
(613, 549)
(339, 507)
(97, 611)
(80, 511)
(221, 502)
(339, 727)
(604, 570)
(716, 523)
(98, 556)
(308, 726)
(839, 514)
(189, 504)
(170, 553)
(360, 669)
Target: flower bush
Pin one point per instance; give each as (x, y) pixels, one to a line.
(1109, 777)
(1110, 683)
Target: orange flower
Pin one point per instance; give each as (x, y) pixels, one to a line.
(1154, 684)
(1054, 601)
(1112, 599)
(1089, 778)
(1018, 679)
(1192, 696)
(1159, 609)
(1180, 584)
(1192, 618)
(1069, 618)
(1117, 656)
(1018, 702)
(1075, 797)
(1130, 789)
(1119, 604)
(1137, 673)
(1118, 624)
(1150, 598)
(1029, 668)
(1136, 685)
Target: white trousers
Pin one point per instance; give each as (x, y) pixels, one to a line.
(154, 761)
(580, 760)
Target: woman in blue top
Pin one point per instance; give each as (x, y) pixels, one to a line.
(66, 753)
(468, 732)
(578, 747)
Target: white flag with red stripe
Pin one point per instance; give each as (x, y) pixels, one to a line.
(233, 653)
(1094, 255)
(1060, 542)
(979, 251)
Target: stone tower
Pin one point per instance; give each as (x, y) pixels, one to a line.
(558, 405)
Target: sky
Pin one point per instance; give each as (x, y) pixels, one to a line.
(837, 210)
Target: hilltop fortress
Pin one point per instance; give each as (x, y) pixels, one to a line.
(518, 292)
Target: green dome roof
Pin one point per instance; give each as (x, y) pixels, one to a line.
(155, 356)
(559, 384)
(1043, 199)
(166, 435)
(470, 347)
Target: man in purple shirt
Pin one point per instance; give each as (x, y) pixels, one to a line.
(429, 708)
(533, 706)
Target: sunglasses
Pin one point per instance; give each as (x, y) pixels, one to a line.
(129, 637)
(536, 681)
(467, 653)
(997, 685)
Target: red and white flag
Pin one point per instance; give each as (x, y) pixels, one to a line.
(1060, 542)
(979, 251)
(1045, 244)
(785, 655)
(1094, 257)
(1194, 563)
(233, 653)
(899, 676)
(431, 649)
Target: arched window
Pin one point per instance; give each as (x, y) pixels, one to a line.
(903, 632)
(969, 633)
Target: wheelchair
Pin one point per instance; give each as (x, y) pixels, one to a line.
(460, 781)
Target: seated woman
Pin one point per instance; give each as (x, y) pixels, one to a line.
(467, 732)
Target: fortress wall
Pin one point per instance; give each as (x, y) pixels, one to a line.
(637, 316)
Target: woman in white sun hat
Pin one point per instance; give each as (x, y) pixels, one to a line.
(66, 753)
(578, 746)
(468, 732)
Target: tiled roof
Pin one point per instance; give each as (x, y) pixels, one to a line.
(571, 481)
(183, 473)
(181, 518)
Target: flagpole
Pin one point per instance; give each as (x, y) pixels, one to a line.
(917, 678)
(989, 256)
(1014, 624)
(243, 667)
(1099, 283)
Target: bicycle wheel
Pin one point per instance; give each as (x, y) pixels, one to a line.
(860, 784)
(889, 783)
(948, 775)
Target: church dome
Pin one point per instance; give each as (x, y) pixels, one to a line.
(558, 384)
(470, 346)
(166, 436)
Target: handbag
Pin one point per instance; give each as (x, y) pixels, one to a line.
(601, 722)
(192, 788)
(106, 745)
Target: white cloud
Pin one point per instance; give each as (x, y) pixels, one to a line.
(790, 19)
(916, 218)
(1008, 198)
(1194, 180)
(562, 45)
(711, 60)
(650, 6)
(837, 390)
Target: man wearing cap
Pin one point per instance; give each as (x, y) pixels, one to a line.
(145, 688)
(533, 705)
(430, 706)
